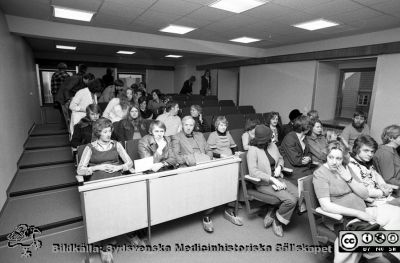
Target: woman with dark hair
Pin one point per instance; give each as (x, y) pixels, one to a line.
(248, 134)
(83, 129)
(155, 102)
(201, 124)
(81, 100)
(295, 149)
(386, 158)
(117, 108)
(317, 143)
(266, 163)
(273, 121)
(144, 111)
(338, 193)
(157, 145)
(131, 127)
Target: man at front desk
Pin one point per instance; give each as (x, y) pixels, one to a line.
(191, 148)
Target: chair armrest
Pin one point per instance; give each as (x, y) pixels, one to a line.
(252, 179)
(393, 186)
(337, 217)
(287, 170)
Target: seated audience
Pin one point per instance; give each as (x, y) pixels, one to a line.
(295, 150)
(100, 159)
(313, 115)
(144, 111)
(317, 143)
(155, 102)
(363, 170)
(83, 129)
(81, 100)
(355, 129)
(117, 108)
(131, 127)
(221, 141)
(201, 124)
(158, 146)
(386, 159)
(248, 134)
(266, 163)
(338, 193)
(289, 127)
(130, 96)
(273, 121)
(170, 119)
(191, 148)
(111, 91)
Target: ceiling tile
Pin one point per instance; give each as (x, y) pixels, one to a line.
(197, 23)
(333, 8)
(155, 18)
(389, 7)
(301, 4)
(202, 2)
(268, 11)
(143, 4)
(32, 9)
(209, 13)
(360, 14)
(115, 10)
(107, 19)
(175, 7)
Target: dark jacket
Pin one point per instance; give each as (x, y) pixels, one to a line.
(201, 127)
(187, 87)
(205, 85)
(148, 147)
(69, 87)
(286, 129)
(124, 130)
(82, 133)
(293, 153)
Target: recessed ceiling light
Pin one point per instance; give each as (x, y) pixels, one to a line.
(173, 56)
(65, 47)
(237, 6)
(245, 40)
(316, 24)
(177, 29)
(126, 52)
(70, 13)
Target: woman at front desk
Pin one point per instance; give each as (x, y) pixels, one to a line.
(100, 159)
(156, 145)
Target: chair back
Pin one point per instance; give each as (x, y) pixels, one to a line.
(132, 149)
(237, 137)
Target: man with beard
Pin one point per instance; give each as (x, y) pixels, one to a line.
(356, 128)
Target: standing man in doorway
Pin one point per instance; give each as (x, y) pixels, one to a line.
(187, 86)
(206, 83)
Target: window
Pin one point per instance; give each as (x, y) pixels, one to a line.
(354, 93)
(130, 78)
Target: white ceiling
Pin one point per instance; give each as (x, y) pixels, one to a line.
(270, 22)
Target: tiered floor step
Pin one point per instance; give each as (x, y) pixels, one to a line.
(42, 157)
(47, 141)
(39, 179)
(45, 210)
(48, 129)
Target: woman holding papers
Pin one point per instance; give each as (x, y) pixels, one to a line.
(158, 146)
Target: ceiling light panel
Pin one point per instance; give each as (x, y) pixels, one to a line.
(70, 13)
(237, 6)
(125, 52)
(245, 40)
(65, 47)
(175, 29)
(316, 24)
(173, 56)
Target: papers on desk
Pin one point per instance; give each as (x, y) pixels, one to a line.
(143, 164)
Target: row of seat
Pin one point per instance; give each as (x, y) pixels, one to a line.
(221, 110)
